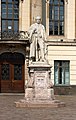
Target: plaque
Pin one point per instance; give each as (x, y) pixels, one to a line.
(40, 79)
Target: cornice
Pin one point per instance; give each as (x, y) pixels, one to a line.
(59, 43)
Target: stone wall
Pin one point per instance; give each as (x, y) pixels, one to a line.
(63, 53)
(24, 15)
(36, 9)
(65, 90)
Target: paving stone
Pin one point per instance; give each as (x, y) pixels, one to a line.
(8, 111)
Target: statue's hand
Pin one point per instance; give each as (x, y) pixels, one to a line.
(30, 40)
(35, 31)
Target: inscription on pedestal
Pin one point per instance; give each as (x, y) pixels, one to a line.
(40, 79)
(41, 84)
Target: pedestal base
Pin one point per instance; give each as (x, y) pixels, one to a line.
(39, 104)
(39, 92)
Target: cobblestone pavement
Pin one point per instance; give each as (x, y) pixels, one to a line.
(8, 111)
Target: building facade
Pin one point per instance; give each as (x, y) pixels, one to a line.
(59, 19)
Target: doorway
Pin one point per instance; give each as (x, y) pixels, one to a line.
(12, 73)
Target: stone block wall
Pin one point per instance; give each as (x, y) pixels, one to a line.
(65, 90)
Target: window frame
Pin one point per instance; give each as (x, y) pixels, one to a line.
(62, 68)
(7, 27)
(52, 32)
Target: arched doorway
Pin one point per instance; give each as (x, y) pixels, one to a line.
(12, 72)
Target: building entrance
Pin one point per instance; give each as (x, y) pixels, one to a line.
(11, 73)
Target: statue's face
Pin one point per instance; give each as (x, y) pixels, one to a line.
(38, 21)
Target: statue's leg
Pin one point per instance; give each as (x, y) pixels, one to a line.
(41, 45)
(32, 49)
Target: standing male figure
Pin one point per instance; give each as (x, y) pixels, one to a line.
(37, 39)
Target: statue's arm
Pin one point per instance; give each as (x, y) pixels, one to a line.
(31, 31)
(44, 34)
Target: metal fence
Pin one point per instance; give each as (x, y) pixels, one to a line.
(20, 35)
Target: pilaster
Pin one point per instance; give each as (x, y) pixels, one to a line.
(24, 15)
(71, 20)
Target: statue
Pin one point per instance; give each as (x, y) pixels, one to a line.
(37, 41)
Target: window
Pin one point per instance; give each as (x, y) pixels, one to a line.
(17, 71)
(56, 17)
(9, 15)
(61, 72)
(5, 71)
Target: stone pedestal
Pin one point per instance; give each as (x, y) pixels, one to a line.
(39, 81)
(39, 91)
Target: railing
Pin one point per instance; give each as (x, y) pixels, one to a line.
(20, 35)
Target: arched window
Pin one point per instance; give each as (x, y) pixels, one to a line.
(56, 17)
(9, 15)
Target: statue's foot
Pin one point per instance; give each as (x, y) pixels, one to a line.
(30, 62)
(42, 60)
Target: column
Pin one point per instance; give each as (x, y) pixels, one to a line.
(44, 13)
(20, 15)
(47, 17)
(65, 18)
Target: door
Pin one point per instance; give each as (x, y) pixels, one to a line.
(12, 73)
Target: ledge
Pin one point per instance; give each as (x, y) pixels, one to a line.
(14, 41)
(60, 43)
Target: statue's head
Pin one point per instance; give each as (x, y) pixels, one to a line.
(38, 19)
